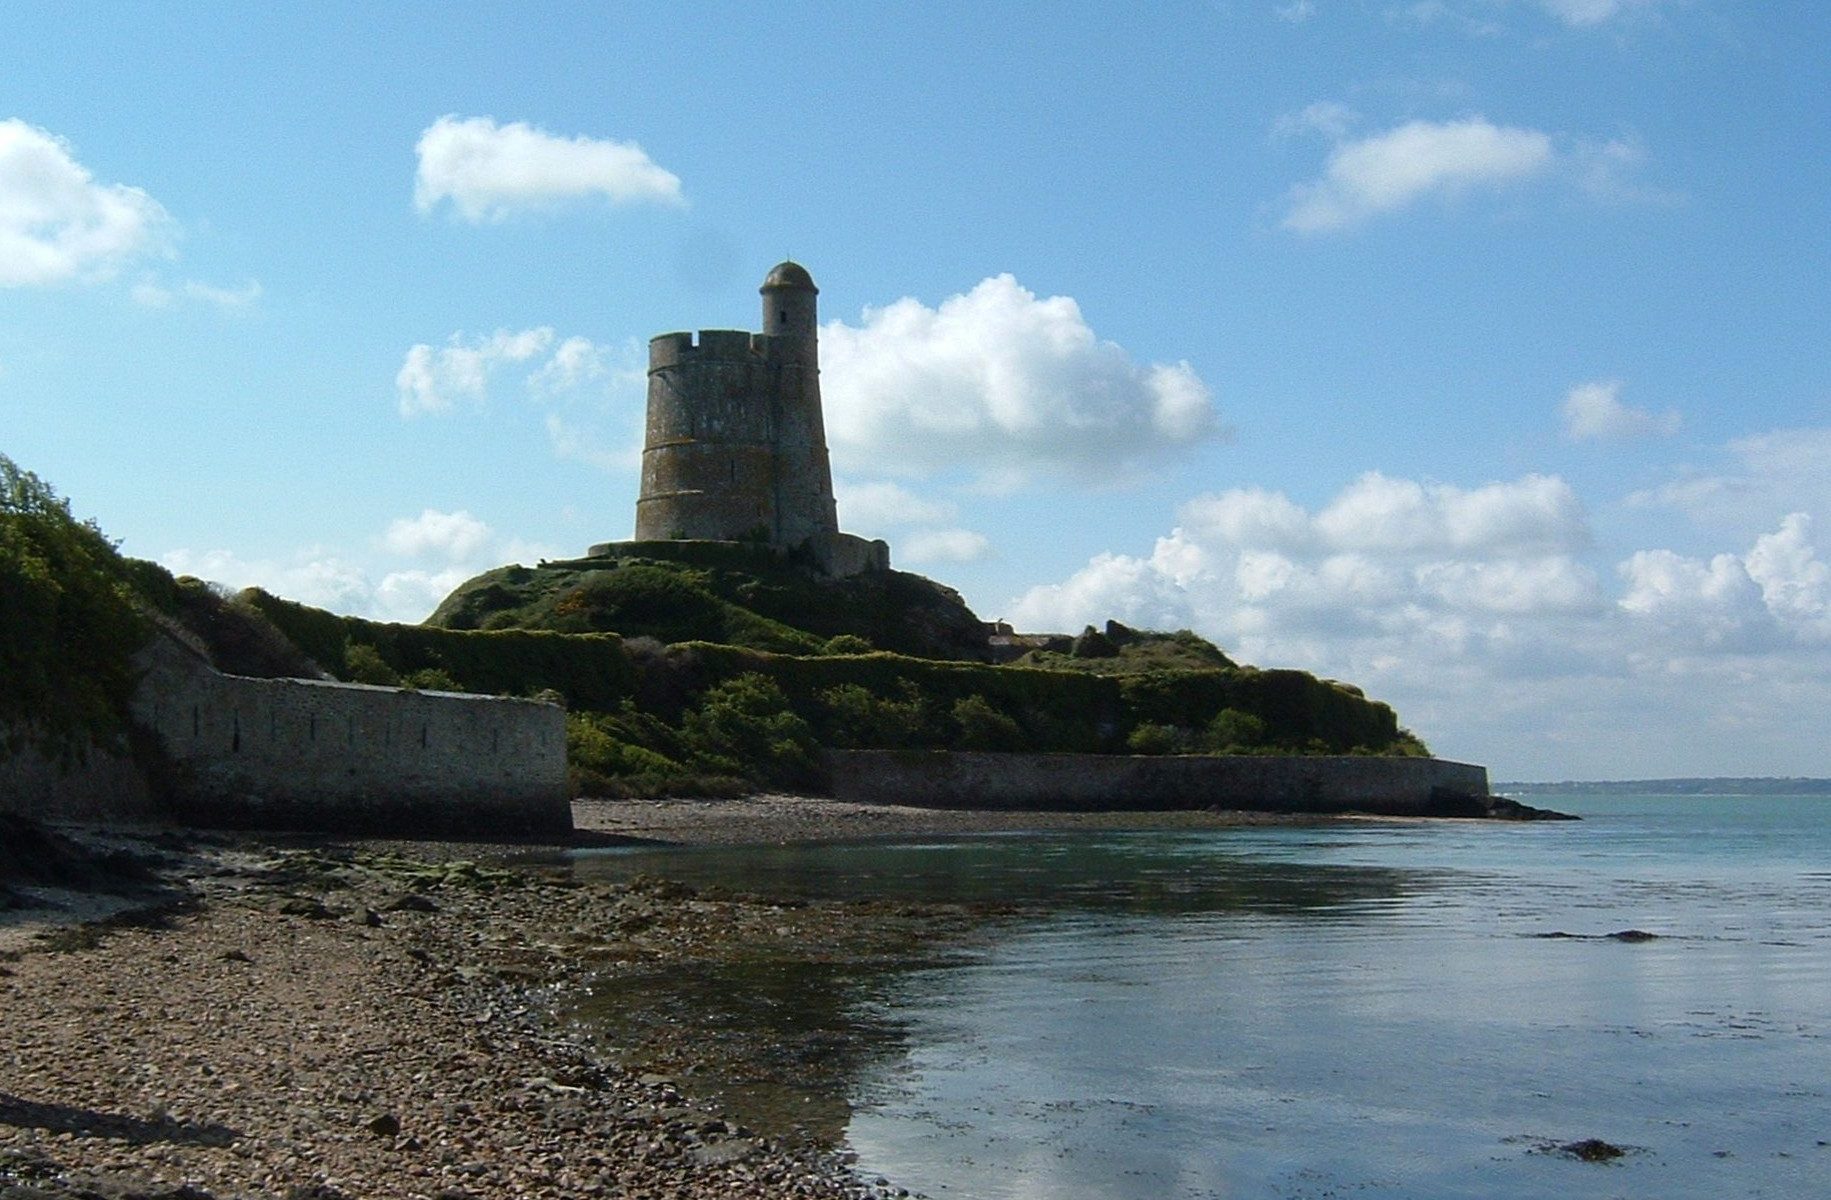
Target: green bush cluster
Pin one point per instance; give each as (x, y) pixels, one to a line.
(70, 624)
(589, 671)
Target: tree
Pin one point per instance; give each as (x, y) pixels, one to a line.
(71, 624)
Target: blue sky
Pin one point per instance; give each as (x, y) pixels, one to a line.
(1472, 351)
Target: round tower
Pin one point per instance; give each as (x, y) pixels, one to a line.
(804, 478)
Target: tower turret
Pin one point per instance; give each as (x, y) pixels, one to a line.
(804, 481)
(789, 309)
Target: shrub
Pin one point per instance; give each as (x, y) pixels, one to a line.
(1152, 738)
(983, 727)
(363, 663)
(1233, 731)
(855, 717)
(430, 679)
(847, 643)
(744, 727)
(70, 625)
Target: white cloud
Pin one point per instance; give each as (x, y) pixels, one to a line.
(1593, 412)
(490, 171)
(583, 443)
(1475, 612)
(411, 595)
(1778, 471)
(152, 294)
(1295, 11)
(1003, 383)
(453, 535)
(1383, 552)
(1328, 117)
(944, 546)
(882, 505)
(383, 590)
(1536, 514)
(1388, 171)
(315, 575)
(576, 362)
(1592, 12)
(1795, 584)
(431, 381)
(1476, 16)
(57, 223)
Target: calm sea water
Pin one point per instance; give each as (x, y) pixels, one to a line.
(1369, 1010)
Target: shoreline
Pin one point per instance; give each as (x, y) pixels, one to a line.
(775, 818)
(319, 1018)
(347, 1019)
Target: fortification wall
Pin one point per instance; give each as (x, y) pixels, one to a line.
(1057, 782)
(101, 786)
(332, 757)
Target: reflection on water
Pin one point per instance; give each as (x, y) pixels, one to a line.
(1155, 873)
(1369, 1010)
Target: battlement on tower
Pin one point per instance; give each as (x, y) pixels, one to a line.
(721, 345)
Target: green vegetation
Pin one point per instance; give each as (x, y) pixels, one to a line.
(70, 627)
(1119, 650)
(727, 595)
(587, 671)
(703, 669)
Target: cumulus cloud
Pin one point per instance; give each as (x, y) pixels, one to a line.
(1479, 614)
(1389, 171)
(433, 380)
(1003, 383)
(57, 224)
(1382, 553)
(1593, 412)
(435, 534)
(489, 172)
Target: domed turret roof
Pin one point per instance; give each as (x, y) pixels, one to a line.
(789, 274)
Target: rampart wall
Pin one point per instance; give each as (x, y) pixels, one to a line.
(1058, 782)
(101, 786)
(335, 757)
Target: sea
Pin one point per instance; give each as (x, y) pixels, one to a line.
(1404, 1009)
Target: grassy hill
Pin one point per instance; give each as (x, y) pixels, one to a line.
(698, 669)
(732, 598)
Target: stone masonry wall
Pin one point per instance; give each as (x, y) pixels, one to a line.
(333, 757)
(103, 786)
(1054, 782)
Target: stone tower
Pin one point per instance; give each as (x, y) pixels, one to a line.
(736, 446)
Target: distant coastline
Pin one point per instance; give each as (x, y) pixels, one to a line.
(1715, 786)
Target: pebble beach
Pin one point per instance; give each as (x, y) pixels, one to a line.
(305, 1018)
